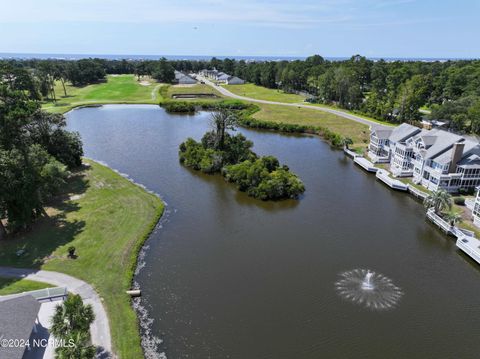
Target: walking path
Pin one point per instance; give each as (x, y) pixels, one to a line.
(343, 114)
(100, 329)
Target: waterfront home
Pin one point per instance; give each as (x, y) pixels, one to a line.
(183, 79)
(434, 158)
(384, 141)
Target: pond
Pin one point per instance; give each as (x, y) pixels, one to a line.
(228, 276)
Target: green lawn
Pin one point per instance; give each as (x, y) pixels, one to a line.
(14, 285)
(365, 117)
(358, 132)
(117, 89)
(107, 221)
(263, 93)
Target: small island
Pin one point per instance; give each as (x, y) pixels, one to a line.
(220, 152)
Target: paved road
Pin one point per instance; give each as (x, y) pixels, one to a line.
(346, 115)
(100, 329)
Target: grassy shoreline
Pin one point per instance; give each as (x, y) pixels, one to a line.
(107, 218)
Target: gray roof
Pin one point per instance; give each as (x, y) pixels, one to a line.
(441, 142)
(382, 133)
(470, 161)
(17, 317)
(402, 132)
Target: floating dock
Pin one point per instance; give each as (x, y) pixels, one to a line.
(365, 164)
(383, 176)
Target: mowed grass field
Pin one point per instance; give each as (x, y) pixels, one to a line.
(14, 285)
(117, 89)
(263, 93)
(107, 218)
(358, 132)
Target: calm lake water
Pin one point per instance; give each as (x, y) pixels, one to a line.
(232, 277)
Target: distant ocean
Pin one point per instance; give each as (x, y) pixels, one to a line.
(4, 55)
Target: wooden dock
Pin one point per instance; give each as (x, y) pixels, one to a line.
(383, 176)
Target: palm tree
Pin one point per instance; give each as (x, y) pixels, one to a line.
(347, 141)
(453, 217)
(439, 200)
(77, 346)
(72, 316)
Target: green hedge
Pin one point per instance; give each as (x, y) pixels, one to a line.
(246, 118)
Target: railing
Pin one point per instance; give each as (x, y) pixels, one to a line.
(351, 153)
(439, 221)
(48, 293)
(383, 176)
(416, 192)
(470, 203)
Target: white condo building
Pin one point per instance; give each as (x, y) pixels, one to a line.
(434, 158)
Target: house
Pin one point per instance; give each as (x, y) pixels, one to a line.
(476, 209)
(211, 74)
(18, 320)
(182, 79)
(436, 159)
(383, 141)
(234, 80)
(222, 77)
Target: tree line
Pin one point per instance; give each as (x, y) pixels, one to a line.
(393, 91)
(36, 153)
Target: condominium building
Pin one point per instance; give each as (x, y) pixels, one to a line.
(434, 158)
(476, 209)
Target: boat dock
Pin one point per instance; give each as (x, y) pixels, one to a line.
(383, 176)
(350, 153)
(471, 246)
(365, 164)
(466, 240)
(417, 193)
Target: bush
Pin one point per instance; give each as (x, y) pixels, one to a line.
(179, 107)
(466, 191)
(188, 107)
(262, 178)
(459, 200)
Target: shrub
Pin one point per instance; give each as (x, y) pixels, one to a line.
(179, 107)
(262, 178)
(459, 200)
(466, 191)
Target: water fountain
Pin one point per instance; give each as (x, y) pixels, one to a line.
(369, 289)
